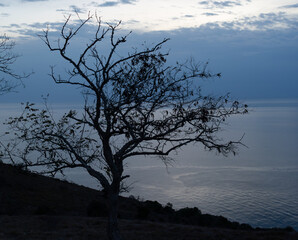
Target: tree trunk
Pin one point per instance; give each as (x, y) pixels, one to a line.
(113, 228)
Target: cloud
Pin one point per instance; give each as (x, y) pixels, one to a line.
(4, 14)
(53, 26)
(130, 22)
(188, 16)
(261, 22)
(210, 14)
(204, 3)
(76, 9)
(13, 25)
(269, 21)
(265, 52)
(34, 0)
(254, 57)
(290, 6)
(113, 3)
(128, 1)
(220, 4)
(227, 3)
(29, 31)
(108, 4)
(72, 8)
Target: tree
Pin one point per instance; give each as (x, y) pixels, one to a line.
(7, 59)
(135, 105)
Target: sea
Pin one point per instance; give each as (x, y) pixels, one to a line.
(258, 186)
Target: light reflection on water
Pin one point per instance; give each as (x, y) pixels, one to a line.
(261, 197)
(258, 186)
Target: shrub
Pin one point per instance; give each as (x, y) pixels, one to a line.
(143, 212)
(188, 212)
(97, 209)
(43, 210)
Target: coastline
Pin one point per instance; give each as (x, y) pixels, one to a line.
(38, 207)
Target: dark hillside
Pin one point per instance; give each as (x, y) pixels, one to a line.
(25, 195)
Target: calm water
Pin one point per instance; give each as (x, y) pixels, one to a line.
(263, 197)
(258, 186)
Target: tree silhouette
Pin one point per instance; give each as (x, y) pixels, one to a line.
(136, 105)
(7, 59)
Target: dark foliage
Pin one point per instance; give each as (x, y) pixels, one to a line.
(154, 211)
(97, 208)
(44, 210)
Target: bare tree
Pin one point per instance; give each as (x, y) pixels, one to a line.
(135, 105)
(7, 59)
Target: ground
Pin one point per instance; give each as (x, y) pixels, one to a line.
(33, 207)
(86, 228)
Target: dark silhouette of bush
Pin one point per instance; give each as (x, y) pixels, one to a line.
(154, 206)
(44, 210)
(153, 210)
(187, 215)
(97, 209)
(169, 208)
(289, 229)
(143, 212)
(188, 212)
(245, 226)
(150, 208)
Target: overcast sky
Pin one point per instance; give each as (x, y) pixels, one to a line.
(253, 43)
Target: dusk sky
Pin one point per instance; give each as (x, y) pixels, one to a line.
(253, 43)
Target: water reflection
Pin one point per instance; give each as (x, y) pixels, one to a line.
(262, 197)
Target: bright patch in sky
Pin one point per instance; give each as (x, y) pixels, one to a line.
(27, 16)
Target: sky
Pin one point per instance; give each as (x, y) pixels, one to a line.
(252, 43)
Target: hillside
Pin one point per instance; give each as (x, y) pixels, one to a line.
(38, 207)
